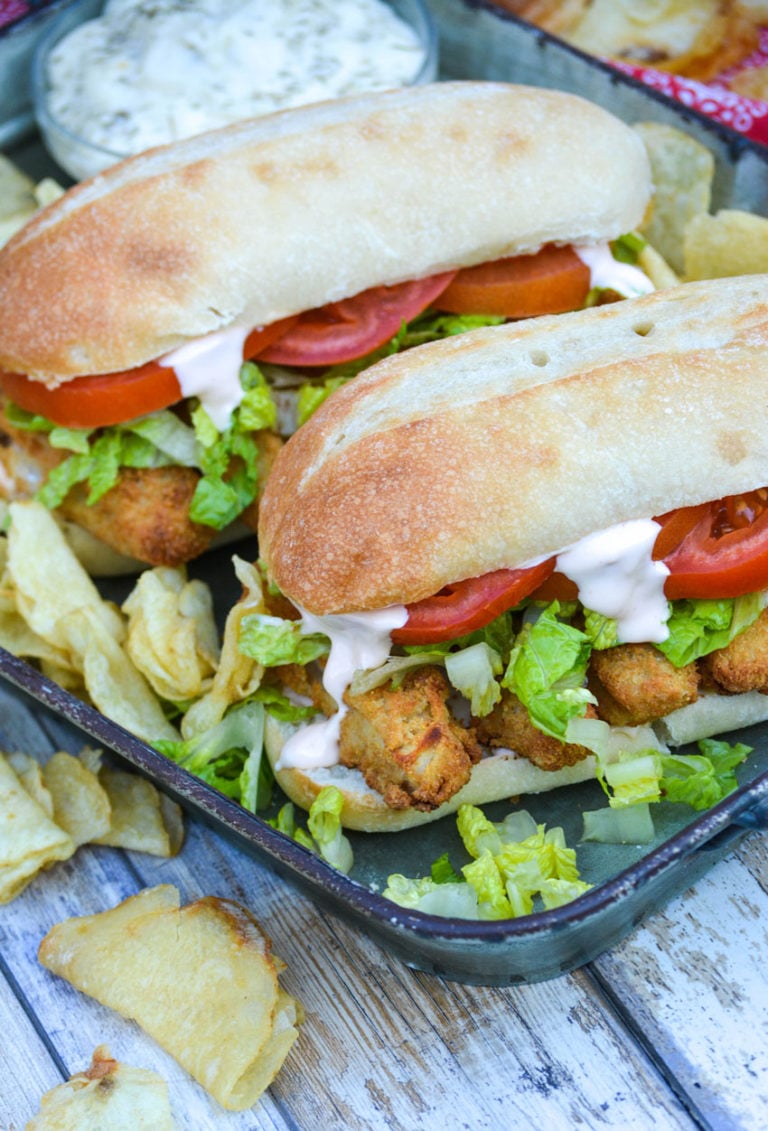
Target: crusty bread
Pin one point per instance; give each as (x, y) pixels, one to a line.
(501, 775)
(499, 446)
(285, 213)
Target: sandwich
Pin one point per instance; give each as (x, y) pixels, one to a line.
(498, 562)
(145, 310)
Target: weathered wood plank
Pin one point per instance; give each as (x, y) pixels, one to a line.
(693, 979)
(26, 1066)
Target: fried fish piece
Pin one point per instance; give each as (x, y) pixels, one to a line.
(509, 725)
(406, 742)
(743, 664)
(636, 683)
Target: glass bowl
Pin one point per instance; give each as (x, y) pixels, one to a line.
(82, 157)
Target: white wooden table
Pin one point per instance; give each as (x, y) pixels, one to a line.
(668, 1030)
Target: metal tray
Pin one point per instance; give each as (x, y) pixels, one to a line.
(477, 40)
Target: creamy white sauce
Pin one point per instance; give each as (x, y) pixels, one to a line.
(209, 368)
(607, 272)
(358, 641)
(616, 576)
(149, 72)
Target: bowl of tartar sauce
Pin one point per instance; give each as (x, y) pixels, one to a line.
(112, 79)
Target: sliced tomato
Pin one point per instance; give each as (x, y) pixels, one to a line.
(550, 282)
(724, 552)
(675, 526)
(93, 402)
(263, 336)
(557, 587)
(467, 605)
(353, 327)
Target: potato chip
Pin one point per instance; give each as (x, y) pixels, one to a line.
(729, 243)
(237, 676)
(17, 637)
(656, 268)
(30, 773)
(682, 170)
(140, 821)
(200, 979)
(107, 1096)
(116, 688)
(80, 803)
(29, 840)
(49, 581)
(172, 636)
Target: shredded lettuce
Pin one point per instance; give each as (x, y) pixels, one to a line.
(701, 780)
(513, 863)
(229, 756)
(698, 627)
(273, 641)
(547, 670)
(326, 835)
(627, 248)
(634, 768)
(619, 826)
(472, 671)
(228, 460)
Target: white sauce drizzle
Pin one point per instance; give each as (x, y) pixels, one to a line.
(616, 576)
(358, 641)
(607, 272)
(209, 368)
(147, 73)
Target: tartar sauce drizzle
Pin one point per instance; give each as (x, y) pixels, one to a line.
(152, 71)
(607, 272)
(617, 576)
(358, 641)
(209, 368)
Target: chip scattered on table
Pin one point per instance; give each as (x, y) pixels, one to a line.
(29, 839)
(200, 979)
(142, 819)
(107, 1096)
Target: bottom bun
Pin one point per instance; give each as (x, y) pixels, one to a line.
(500, 776)
(497, 777)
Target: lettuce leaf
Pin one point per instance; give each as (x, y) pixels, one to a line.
(472, 671)
(547, 670)
(273, 641)
(701, 780)
(325, 836)
(505, 875)
(697, 627)
(229, 756)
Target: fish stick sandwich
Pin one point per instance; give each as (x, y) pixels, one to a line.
(499, 561)
(163, 322)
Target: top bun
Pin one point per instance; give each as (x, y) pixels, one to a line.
(281, 214)
(499, 446)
